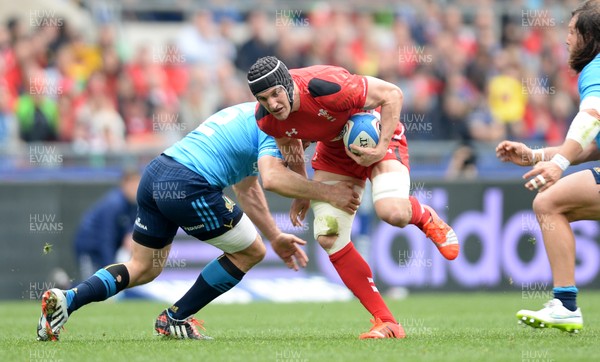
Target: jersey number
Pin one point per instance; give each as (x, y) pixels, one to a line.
(221, 118)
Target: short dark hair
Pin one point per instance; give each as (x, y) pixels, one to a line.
(588, 34)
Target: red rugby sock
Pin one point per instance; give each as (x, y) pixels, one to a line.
(357, 275)
(420, 215)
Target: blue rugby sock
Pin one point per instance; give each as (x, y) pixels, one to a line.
(102, 285)
(218, 277)
(568, 296)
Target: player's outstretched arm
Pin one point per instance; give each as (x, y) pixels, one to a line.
(581, 134)
(293, 154)
(582, 131)
(277, 178)
(252, 200)
(521, 155)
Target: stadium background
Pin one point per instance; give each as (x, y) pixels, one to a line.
(122, 81)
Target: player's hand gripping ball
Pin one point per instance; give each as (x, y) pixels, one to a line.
(362, 130)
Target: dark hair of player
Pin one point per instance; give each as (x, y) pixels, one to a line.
(588, 34)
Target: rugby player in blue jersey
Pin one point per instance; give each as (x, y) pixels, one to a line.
(228, 149)
(575, 197)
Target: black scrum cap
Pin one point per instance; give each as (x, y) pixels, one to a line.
(268, 72)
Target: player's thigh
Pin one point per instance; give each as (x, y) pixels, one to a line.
(240, 238)
(325, 176)
(209, 215)
(388, 165)
(203, 211)
(332, 227)
(152, 228)
(391, 189)
(577, 196)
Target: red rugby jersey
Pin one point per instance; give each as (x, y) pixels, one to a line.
(329, 95)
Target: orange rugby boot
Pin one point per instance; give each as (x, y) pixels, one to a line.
(383, 330)
(442, 235)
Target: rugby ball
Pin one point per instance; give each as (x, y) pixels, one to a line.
(362, 130)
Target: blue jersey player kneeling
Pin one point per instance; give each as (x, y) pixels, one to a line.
(228, 149)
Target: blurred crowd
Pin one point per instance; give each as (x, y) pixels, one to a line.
(468, 73)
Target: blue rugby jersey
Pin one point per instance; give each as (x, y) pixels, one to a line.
(589, 83)
(226, 147)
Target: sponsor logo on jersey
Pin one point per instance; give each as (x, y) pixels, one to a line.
(230, 225)
(291, 133)
(325, 113)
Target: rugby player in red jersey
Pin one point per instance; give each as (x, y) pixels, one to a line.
(314, 104)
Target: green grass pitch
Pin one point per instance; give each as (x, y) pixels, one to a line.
(440, 327)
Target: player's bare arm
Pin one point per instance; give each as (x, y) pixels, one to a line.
(292, 150)
(590, 153)
(515, 152)
(252, 199)
(389, 97)
(572, 147)
(584, 127)
(277, 178)
(293, 153)
(521, 155)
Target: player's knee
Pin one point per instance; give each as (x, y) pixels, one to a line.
(333, 244)
(326, 231)
(544, 204)
(390, 197)
(150, 274)
(142, 272)
(327, 241)
(399, 217)
(332, 226)
(250, 256)
(256, 252)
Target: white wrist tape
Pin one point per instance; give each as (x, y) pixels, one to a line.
(561, 161)
(537, 152)
(584, 128)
